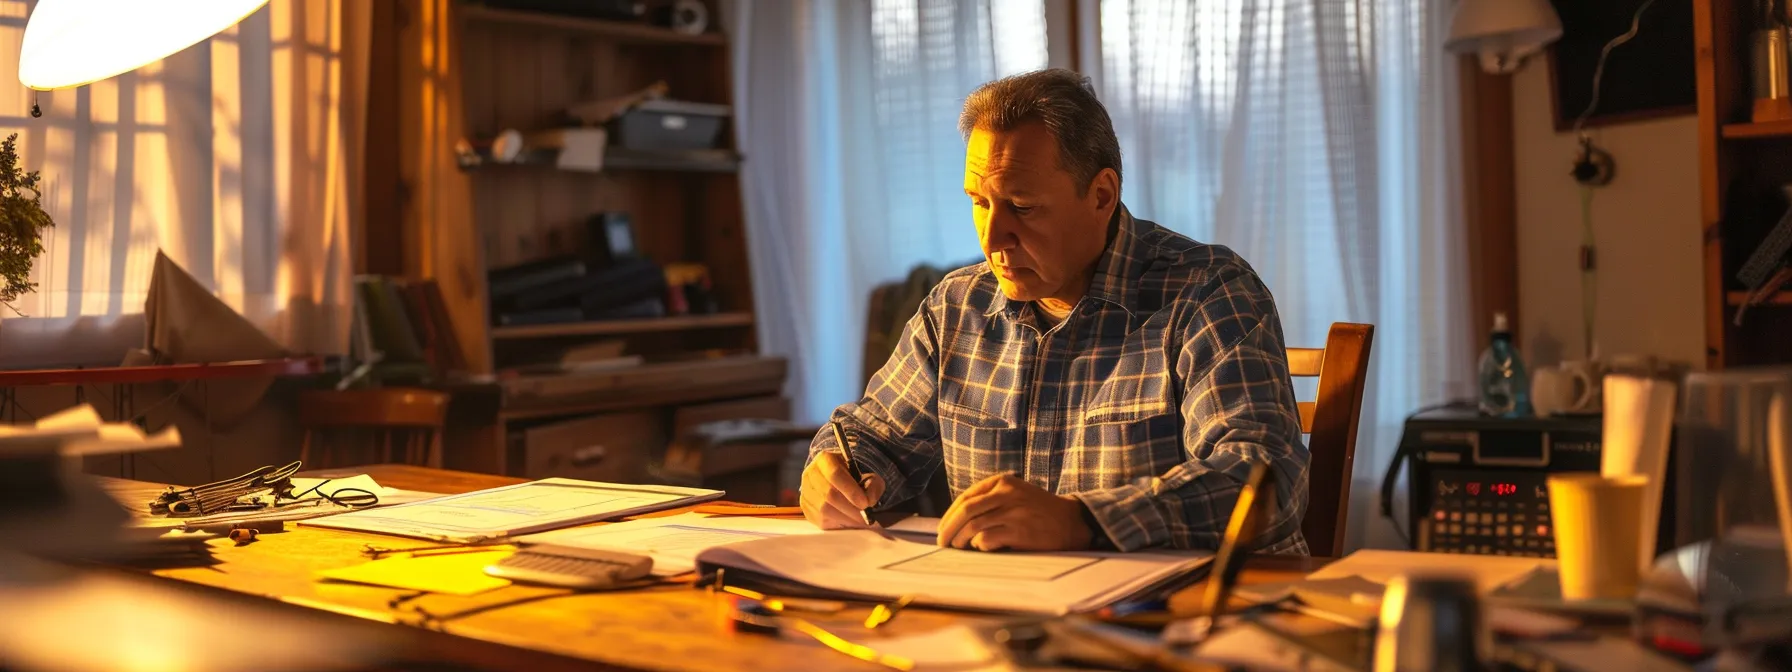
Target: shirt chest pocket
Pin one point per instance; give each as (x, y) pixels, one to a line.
(982, 440)
(1132, 427)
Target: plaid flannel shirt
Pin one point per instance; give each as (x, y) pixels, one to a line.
(1146, 402)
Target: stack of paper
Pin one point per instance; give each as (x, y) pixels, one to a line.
(865, 563)
(515, 510)
(672, 541)
(79, 431)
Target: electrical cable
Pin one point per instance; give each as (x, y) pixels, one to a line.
(1599, 69)
(1594, 167)
(1589, 275)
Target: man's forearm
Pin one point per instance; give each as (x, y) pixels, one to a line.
(1193, 515)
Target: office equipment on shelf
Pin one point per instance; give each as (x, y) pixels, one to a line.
(571, 567)
(1478, 485)
(610, 237)
(864, 564)
(664, 124)
(519, 509)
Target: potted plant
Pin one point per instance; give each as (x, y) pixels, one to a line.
(22, 223)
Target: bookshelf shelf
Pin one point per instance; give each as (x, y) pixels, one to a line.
(620, 31)
(1780, 298)
(1758, 131)
(679, 323)
(619, 158)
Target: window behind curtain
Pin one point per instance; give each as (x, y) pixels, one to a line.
(1318, 140)
(227, 156)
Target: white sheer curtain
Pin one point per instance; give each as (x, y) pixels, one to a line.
(1319, 139)
(1316, 138)
(232, 156)
(847, 113)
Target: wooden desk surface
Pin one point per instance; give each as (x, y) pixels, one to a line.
(664, 627)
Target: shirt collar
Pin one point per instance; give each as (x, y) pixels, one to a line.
(1117, 271)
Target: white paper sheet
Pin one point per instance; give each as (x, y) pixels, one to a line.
(956, 647)
(917, 525)
(80, 431)
(317, 488)
(1253, 649)
(864, 562)
(1639, 423)
(672, 541)
(1379, 566)
(515, 509)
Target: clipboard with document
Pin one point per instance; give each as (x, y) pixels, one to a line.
(524, 508)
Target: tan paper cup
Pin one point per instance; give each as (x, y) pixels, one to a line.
(1598, 524)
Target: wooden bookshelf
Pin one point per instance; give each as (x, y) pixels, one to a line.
(1742, 171)
(523, 70)
(614, 327)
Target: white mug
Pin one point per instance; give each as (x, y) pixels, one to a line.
(1571, 387)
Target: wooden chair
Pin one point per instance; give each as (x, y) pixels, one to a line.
(1330, 422)
(404, 425)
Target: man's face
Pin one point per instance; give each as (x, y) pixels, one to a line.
(1040, 237)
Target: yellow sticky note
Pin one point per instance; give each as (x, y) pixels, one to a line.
(449, 573)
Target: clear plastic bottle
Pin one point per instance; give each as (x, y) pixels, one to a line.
(1505, 387)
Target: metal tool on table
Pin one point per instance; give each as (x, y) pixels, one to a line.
(235, 494)
(262, 500)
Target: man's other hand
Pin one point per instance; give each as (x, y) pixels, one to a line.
(831, 499)
(1008, 512)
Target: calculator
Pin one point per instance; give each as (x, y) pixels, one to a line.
(571, 567)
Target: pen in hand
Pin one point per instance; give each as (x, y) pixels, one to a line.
(852, 468)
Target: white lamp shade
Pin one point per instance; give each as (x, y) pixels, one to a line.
(74, 42)
(1503, 32)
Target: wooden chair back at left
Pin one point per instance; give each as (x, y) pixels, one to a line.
(405, 425)
(1330, 423)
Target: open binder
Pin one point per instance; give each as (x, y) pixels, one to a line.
(863, 565)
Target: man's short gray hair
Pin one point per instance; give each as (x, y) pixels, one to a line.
(1065, 103)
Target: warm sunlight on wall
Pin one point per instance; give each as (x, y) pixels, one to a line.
(228, 156)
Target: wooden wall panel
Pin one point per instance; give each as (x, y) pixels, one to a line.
(558, 199)
(1490, 198)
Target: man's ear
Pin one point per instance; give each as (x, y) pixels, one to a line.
(1104, 191)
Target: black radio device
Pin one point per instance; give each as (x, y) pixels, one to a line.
(1480, 485)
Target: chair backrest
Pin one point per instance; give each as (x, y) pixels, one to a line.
(388, 407)
(1330, 422)
(406, 419)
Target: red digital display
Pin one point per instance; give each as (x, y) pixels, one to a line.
(1474, 488)
(1503, 489)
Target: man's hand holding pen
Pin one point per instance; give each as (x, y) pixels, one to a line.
(831, 499)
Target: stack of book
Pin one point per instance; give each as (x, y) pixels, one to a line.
(402, 327)
(571, 289)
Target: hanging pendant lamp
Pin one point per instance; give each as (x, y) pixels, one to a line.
(69, 43)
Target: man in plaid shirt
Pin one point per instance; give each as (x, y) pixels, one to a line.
(1099, 382)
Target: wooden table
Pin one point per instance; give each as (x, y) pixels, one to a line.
(665, 627)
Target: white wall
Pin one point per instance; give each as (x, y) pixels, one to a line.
(1646, 235)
